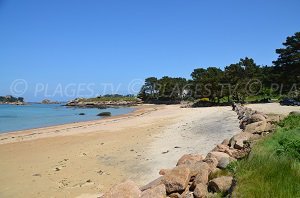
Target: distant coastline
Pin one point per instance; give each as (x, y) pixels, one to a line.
(11, 100)
(103, 102)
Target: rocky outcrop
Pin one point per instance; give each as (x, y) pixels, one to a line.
(11, 100)
(47, 101)
(104, 114)
(196, 176)
(84, 103)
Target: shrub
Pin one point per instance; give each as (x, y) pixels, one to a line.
(290, 145)
(204, 99)
(291, 122)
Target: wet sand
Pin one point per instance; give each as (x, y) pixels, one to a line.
(85, 159)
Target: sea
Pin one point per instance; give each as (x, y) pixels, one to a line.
(14, 118)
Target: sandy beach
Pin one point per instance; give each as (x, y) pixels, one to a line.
(84, 159)
(274, 108)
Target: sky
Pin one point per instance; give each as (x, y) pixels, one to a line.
(62, 49)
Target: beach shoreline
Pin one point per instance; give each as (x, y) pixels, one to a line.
(87, 158)
(27, 134)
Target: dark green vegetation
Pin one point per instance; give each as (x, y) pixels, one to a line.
(104, 114)
(273, 167)
(114, 97)
(242, 81)
(9, 99)
(165, 89)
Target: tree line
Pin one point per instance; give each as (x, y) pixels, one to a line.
(8, 99)
(235, 82)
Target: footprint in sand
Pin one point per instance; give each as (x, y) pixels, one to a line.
(63, 183)
(84, 184)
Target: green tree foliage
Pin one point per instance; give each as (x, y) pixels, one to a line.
(8, 99)
(148, 90)
(242, 77)
(287, 66)
(164, 89)
(237, 81)
(207, 82)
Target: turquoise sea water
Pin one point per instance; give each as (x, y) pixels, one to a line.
(13, 118)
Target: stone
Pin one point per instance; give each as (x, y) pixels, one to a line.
(211, 161)
(237, 141)
(175, 195)
(245, 121)
(189, 195)
(177, 179)
(128, 189)
(152, 184)
(257, 118)
(254, 137)
(223, 162)
(220, 184)
(200, 191)
(201, 178)
(223, 148)
(158, 192)
(239, 154)
(190, 159)
(270, 127)
(256, 127)
(275, 118)
(225, 142)
(218, 155)
(223, 158)
(104, 114)
(164, 171)
(196, 168)
(186, 192)
(214, 172)
(240, 115)
(243, 124)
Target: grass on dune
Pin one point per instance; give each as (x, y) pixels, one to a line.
(273, 167)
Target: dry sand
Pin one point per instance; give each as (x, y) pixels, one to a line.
(85, 159)
(274, 108)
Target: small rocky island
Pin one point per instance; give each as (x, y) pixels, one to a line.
(47, 101)
(105, 101)
(11, 100)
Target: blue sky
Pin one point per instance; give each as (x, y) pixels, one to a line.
(55, 43)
